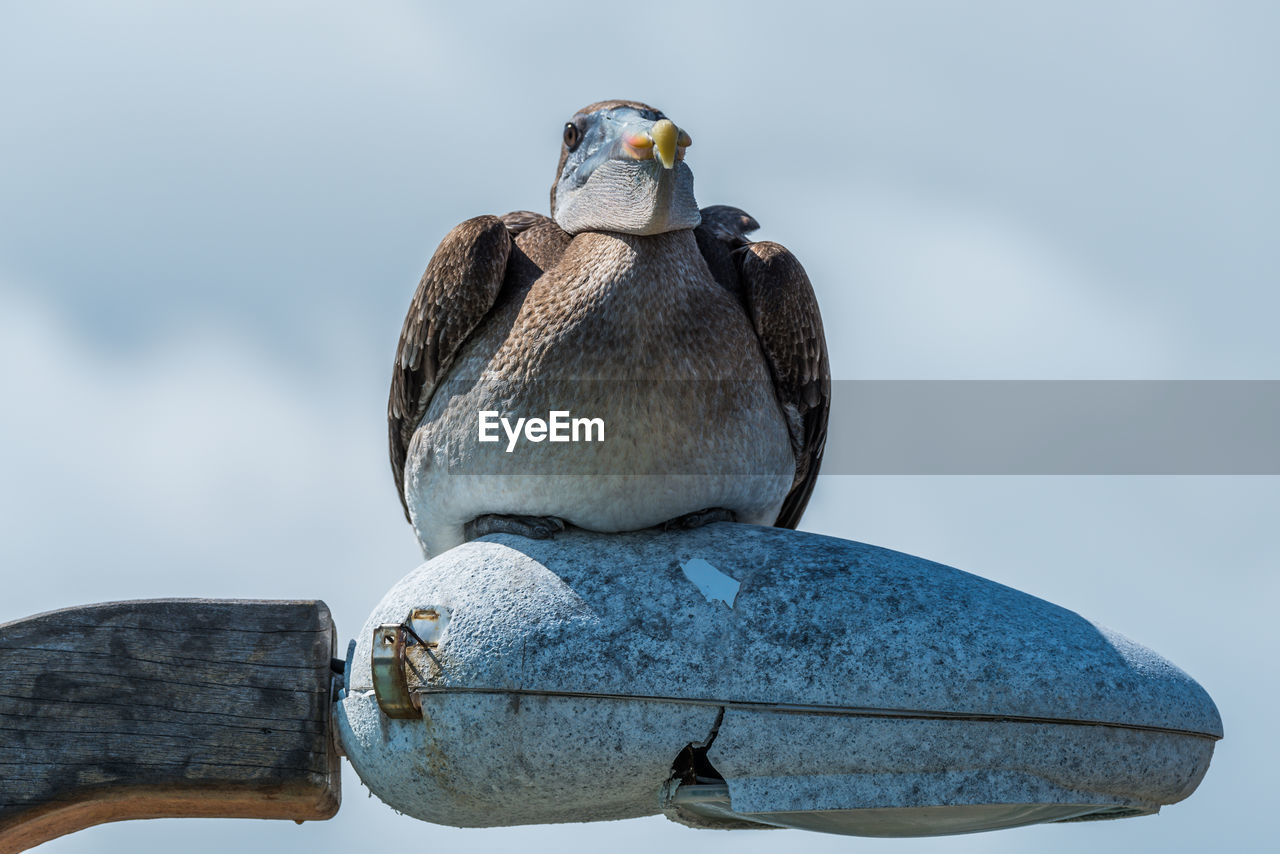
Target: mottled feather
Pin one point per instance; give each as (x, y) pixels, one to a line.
(479, 263)
(777, 294)
(518, 222)
(460, 286)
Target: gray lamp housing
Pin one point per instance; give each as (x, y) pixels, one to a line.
(739, 676)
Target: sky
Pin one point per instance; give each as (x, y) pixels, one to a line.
(213, 215)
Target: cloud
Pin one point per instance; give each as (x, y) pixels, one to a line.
(931, 290)
(199, 467)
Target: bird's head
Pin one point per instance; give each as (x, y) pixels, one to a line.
(622, 169)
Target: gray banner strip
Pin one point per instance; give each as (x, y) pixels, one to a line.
(1137, 427)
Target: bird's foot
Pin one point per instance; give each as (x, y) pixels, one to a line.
(698, 518)
(533, 527)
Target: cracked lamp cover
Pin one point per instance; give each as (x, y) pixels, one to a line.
(738, 676)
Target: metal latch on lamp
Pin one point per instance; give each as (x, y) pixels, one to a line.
(391, 663)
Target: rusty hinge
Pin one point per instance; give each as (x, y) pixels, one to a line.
(391, 664)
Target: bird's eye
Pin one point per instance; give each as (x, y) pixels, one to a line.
(572, 136)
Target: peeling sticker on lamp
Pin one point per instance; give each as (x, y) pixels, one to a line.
(711, 582)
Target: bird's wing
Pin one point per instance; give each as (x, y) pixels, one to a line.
(459, 288)
(779, 299)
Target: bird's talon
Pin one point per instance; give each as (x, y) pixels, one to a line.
(698, 518)
(533, 527)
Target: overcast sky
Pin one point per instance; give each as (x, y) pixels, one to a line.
(212, 217)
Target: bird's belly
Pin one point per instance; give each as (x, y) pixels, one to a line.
(612, 456)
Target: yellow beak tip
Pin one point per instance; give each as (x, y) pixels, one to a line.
(665, 136)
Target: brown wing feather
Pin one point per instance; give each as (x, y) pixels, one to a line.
(459, 288)
(776, 292)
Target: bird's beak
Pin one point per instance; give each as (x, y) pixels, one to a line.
(664, 134)
(664, 141)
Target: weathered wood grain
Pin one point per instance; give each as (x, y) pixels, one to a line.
(165, 708)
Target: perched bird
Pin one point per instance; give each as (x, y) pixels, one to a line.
(699, 353)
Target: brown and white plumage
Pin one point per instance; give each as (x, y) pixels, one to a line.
(776, 292)
(512, 311)
(477, 261)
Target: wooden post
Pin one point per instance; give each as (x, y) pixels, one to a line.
(165, 708)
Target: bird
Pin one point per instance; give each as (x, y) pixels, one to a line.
(698, 353)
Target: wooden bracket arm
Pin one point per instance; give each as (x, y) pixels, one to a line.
(165, 708)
